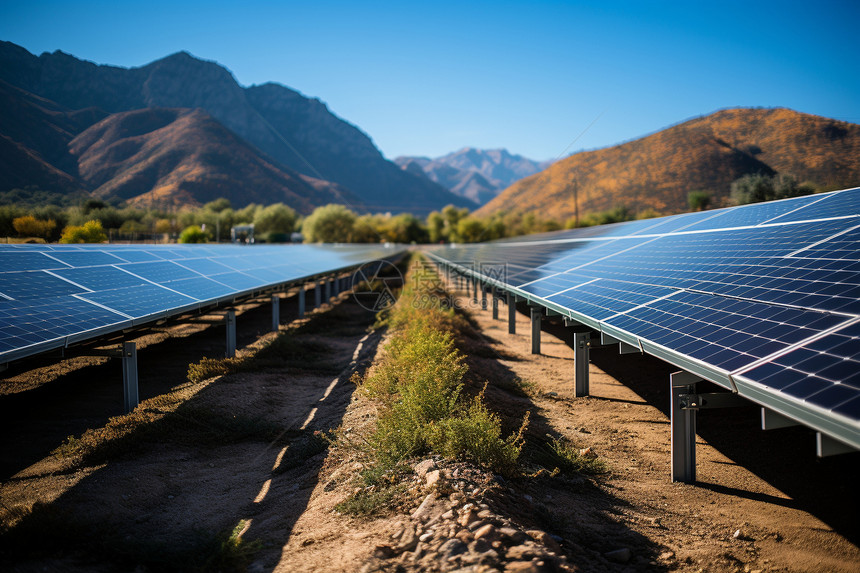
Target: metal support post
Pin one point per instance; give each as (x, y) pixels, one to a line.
(683, 427)
(581, 347)
(302, 301)
(495, 306)
(276, 312)
(483, 297)
(512, 313)
(230, 322)
(536, 316)
(318, 294)
(468, 284)
(129, 376)
(474, 290)
(328, 290)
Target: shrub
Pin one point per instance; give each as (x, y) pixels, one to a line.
(29, 226)
(89, 232)
(193, 234)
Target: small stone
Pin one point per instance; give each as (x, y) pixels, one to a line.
(448, 514)
(619, 555)
(480, 546)
(521, 567)
(667, 555)
(423, 511)
(584, 430)
(306, 542)
(432, 478)
(467, 517)
(485, 514)
(465, 536)
(408, 540)
(655, 522)
(515, 535)
(487, 532)
(475, 525)
(426, 537)
(425, 466)
(521, 552)
(544, 538)
(587, 453)
(528, 498)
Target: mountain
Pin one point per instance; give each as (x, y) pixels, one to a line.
(170, 157)
(296, 132)
(478, 174)
(707, 153)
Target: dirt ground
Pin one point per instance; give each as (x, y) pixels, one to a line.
(763, 502)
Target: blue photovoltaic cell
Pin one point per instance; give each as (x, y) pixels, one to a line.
(34, 284)
(139, 301)
(831, 205)
(825, 372)
(605, 298)
(555, 284)
(85, 258)
(25, 323)
(159, 272)
(238, 281)
(135, 256)
(206, 267)
(26, 261)
(99, 278)
(755, 214)
(200, 288)
(727, 333)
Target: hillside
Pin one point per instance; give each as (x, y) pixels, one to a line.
(707, 153)
(174, 157)
(297, 132)
(477, 174)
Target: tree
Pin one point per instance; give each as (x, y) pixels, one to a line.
(29, 226)
(470, 230)
(755, 188)
(89, 232)
(405, 228)
(698, 200)
(436, 227)
(277, 218)
(329, 224)
(193, 234)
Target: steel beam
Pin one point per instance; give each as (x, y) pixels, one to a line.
(581, 345)
(536, 313)
(495, 306)
(276, 312)
(130, 394)
(302, 301)
(230, 323)
(512, 313)
(827, 446)
(474, 290)
(483, 297)
(683, 427)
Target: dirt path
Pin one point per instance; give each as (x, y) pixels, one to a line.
(165, 500)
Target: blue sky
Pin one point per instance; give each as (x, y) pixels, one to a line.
(432, 77)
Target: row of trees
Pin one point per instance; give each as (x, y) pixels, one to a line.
(333, 223)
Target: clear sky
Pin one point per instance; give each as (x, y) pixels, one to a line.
(427, 78)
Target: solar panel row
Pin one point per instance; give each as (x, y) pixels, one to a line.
(52, 295)
(765, 294)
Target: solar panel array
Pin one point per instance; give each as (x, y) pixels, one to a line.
(764, 298)
(54, 295)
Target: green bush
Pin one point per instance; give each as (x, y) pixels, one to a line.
(89, 232)
(193, 234)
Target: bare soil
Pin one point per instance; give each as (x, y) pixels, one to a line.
(762, 502)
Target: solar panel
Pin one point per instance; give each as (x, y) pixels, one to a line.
(54, 295)
(762, 297)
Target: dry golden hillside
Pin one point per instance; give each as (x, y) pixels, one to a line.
(706, 153)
